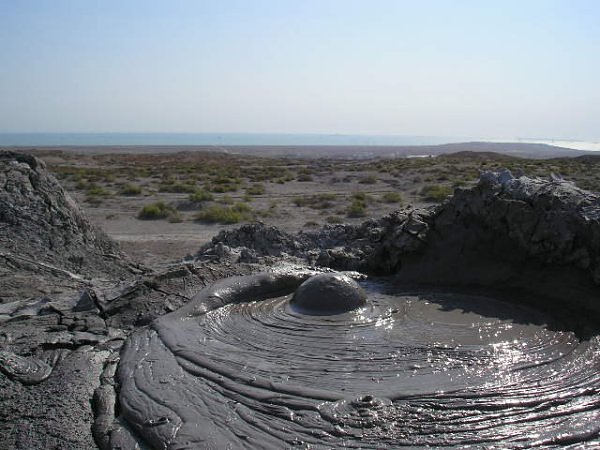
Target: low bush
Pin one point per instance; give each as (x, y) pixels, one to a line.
(200, 195)
(238, 212)
(391, 197)
(357, 208)
(96, 191)
(226, 200)
(436, 192)
(157, 210)
(177, 188)
(318, 201)
(256, 189)
(130, 189)
(370, 179)
(362, 197)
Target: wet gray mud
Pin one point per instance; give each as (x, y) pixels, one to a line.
(411, 368)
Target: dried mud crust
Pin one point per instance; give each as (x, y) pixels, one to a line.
(47, 244)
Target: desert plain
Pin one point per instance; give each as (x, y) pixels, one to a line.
(162, 205)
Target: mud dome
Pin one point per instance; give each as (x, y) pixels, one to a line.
(327, 294)
(408, 369)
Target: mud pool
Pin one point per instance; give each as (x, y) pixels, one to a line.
(411, 368)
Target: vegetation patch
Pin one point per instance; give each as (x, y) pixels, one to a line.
(391, 197)
(256, 189)
(369, 179)
(156, 210)
(177, 188)
(238, 212)
(130, 189)
(357, 208)
(200, 195)
(436, 192)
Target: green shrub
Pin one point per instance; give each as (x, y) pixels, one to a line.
(356, 209)
(362, 196)
(200, 195)
(391, 197)
(177, 188)
(96, 191)
(370, 179)
(82, 185)
(157, 210)
(319, 201)
(130, 189)
(225, 214)
(436, 192)
(226, 200)
(256, 189)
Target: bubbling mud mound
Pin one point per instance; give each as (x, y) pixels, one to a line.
(407, 369)
(327, 294)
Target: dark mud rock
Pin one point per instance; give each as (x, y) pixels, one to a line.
(56, 356)
(138, 302)
(529, 235)
(55, 413)
(45, 238)
(532, 235)
(263, 239)
(340, 247)
(25, 370)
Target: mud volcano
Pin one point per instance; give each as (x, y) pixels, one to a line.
(476, 326)
(406, 368)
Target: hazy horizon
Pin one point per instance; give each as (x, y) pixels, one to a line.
(260, 139)
(503, 70)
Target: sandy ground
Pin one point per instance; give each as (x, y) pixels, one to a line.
(158, 241)
(154, 241)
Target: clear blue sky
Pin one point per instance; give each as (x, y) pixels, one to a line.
(495, 69)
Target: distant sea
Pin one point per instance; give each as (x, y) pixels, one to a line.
(253, 139)
(216, 139)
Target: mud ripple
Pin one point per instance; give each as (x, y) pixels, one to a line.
(409, 369)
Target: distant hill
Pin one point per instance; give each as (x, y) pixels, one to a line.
(516, 149)
(472, 155)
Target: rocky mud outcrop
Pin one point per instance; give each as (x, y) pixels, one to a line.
(75, 313)
(47, 244)
(532, 235)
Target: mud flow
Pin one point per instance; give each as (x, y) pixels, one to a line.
(408, 369)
